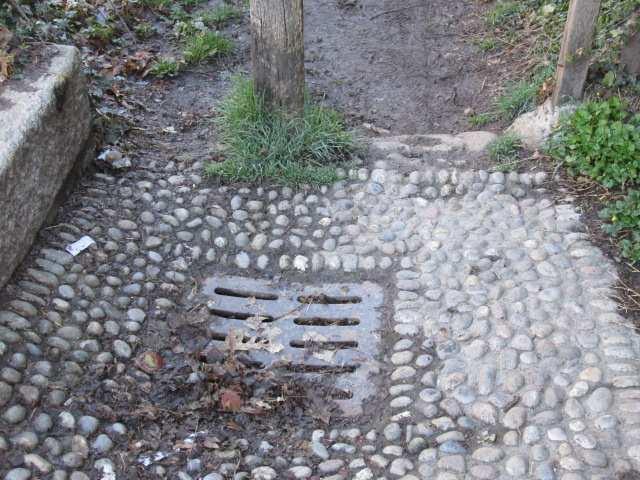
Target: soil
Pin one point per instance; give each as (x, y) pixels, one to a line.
(411, 69)
(407, 68)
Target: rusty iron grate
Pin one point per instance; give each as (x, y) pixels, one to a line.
(329, 330)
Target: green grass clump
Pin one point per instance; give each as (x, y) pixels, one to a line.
(504, 151)
(502, 13)
(165, 67)
(533, 29)
(481, 119)
(623, 217)
(263, 145)
(192, 3)
(102, 32)
(157, 4)
(521, 97)
(601, 140)
(206, 45)
(144, 30)
(487, 44)
(220, 15)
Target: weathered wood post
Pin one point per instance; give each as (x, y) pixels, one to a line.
(277, 53)
(575, 53)
(630, 56)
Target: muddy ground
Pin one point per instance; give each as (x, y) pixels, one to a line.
(411, 69)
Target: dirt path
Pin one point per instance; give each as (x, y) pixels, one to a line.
(408, 68)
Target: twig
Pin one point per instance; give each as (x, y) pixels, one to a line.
(397, 10)
(117, 12)
(20, 10)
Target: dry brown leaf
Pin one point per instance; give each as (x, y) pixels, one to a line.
(230, 400)
(6, 62)
(6, 58)
(149, 362)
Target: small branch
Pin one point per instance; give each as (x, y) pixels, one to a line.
(117, 12)
(395, 10)
(18, 8)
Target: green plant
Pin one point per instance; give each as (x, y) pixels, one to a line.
(165, 67)
(504, 151)
(103, 32)
(601, 140)
(487, 44)
(157, 4)
(503, 12)
(205, 45)
(623, 217)
(533, 29)
(220, 15)
(270, 145)
(481, 119)
(185, 29)
(179, 14)
(144, 30)
(192, 3)
(520, 97)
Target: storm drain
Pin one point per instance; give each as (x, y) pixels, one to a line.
(328, 332)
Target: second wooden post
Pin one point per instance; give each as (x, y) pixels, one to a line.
(575, 53)
(277, 53)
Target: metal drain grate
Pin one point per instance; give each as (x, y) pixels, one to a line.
(330, 330)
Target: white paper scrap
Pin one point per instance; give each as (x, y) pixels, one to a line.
(80, 246)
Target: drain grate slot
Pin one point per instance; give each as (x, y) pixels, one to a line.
(230, 292)
(323, 369)
(218, 336)
(341, 395)
(322, 299)
(324, 345)
(240, 315)
(326, 322)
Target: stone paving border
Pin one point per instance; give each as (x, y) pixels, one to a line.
(509, 359)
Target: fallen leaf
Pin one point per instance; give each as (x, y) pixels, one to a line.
(6, 65)
(184, 445)
(230, 400)
(211, 443)
(149, 362)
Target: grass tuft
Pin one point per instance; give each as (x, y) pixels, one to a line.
(478, 120)
(521, 97)
(622, 219)
(101, 32)
(144, 30)
(220, 15)
(165, 67)
(503, 12)
(262, 145)
(206, 45)
(504, 151)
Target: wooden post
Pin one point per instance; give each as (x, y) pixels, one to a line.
(277, 53)
(630, 56)
(573, 64)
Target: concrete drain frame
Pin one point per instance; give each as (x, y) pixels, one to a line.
(315, 331)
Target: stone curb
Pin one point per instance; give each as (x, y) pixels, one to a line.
(46, 124)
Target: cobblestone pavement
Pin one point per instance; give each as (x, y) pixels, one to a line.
(504, 355)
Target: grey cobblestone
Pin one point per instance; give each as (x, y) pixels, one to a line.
(508, 358)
